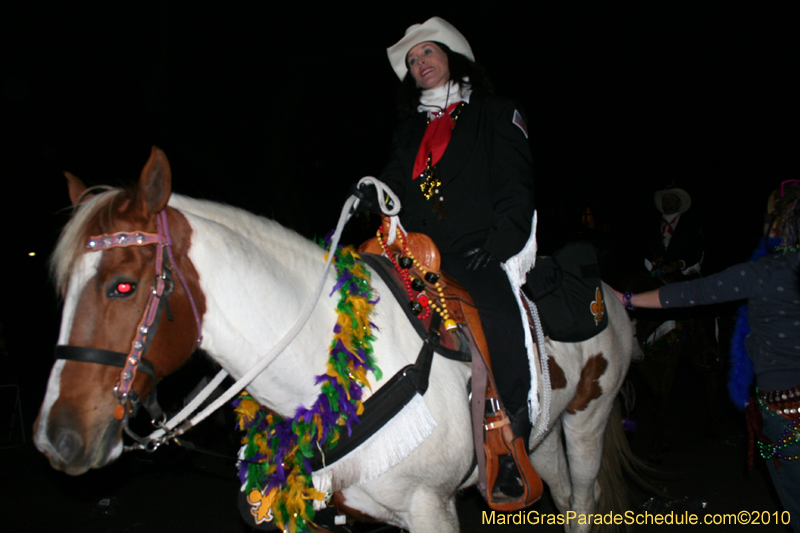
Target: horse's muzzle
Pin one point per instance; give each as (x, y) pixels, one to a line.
(69, 451)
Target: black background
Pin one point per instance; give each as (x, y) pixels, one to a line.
(278, 108)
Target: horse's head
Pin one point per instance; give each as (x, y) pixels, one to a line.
(108, 284)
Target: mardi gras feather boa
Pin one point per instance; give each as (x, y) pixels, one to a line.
(274, 463)
(740, 376)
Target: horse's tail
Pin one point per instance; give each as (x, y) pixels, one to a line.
(623, 477)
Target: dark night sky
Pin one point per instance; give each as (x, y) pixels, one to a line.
(279, 111)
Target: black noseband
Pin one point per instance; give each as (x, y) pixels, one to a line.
(100, 357)
(117, 359)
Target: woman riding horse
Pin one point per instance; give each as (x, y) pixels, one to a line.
(462, 169)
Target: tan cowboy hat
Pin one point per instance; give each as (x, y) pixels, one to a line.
(434, 29)
(683, 196)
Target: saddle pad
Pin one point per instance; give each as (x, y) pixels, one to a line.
(568, 292)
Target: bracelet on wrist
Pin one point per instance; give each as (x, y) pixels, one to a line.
(626, 299)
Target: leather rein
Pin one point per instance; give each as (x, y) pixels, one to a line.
(157, 302)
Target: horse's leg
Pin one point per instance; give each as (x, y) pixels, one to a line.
(550, 462)
(418, 493)
(424, 509)
(433, 513)
(583, 432)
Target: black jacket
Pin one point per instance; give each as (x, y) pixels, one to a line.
(686, 243)
(487, 180)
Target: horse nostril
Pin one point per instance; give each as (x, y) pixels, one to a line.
(68, 445)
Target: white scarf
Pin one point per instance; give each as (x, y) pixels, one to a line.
(437, 99)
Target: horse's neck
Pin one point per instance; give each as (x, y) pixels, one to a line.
(257, 278)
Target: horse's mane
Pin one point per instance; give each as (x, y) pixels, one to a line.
(97, 213)
(98, 209)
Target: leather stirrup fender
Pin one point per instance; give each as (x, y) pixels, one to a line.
(500, 440)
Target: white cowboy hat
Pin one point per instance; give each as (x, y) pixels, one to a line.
(434, 29)
(683, 196)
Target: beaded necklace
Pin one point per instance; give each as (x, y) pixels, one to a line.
(790, 436)
(430, 182)
(787, 248)
(420, 303)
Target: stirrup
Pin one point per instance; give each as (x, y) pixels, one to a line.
(508, 484)
(500, 442)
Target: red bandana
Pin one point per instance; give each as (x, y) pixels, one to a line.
(434, 142)
(668, 227)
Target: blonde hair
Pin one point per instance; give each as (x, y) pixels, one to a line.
(72, 242)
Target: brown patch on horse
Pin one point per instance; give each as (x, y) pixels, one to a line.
(183, 337)
(588, 387)
(81, 428)
(77, 425)
(557, 378)
(136, 210)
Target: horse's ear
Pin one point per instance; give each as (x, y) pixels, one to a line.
(155, 183)
(76, 189)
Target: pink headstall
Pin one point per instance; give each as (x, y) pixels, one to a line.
(162, 288)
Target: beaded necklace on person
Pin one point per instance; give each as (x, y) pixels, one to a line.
(430, 182)
(788, 248)
(790, 436)
(421, 304)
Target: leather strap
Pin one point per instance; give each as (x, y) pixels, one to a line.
(100, 357)
(386, 402)
(480, 378)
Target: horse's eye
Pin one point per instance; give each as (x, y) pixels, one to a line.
(121, 289)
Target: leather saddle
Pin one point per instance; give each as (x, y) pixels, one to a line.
(495, 428)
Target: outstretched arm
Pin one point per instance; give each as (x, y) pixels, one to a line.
(647, 300)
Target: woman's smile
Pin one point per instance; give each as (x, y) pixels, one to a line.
(428, 64)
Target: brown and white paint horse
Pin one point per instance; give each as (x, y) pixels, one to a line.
(250, 277)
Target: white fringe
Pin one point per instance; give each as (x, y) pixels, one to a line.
(394, 442)
(547, 391)
(517, 268)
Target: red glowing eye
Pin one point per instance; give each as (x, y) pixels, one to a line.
(124, 288)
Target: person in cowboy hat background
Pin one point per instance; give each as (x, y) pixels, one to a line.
(769, 336)
(462, 169)
(678, 252)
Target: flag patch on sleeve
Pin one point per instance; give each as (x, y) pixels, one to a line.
(520, 123)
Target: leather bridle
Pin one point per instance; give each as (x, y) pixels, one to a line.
(158, 301)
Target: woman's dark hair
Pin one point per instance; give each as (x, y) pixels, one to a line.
(783, 214)
(460, 67)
